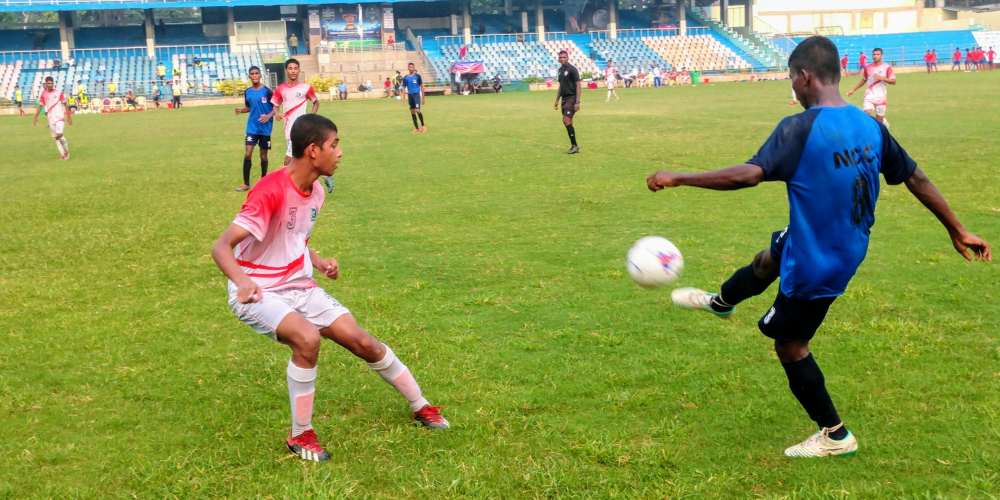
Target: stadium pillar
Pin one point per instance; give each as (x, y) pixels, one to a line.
(63, 33)
(724, 12)
(231, 28)
(613, 19)
(466, 22)
(150, 35)
(681, 17)
(748, 15)
(540, 20)
(454, 24)
(508, 8)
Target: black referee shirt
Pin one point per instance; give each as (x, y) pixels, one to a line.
(568, 77)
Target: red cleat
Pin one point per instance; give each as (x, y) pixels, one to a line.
(423, 128)
(307, 447)
(430, 417)
(416, 131)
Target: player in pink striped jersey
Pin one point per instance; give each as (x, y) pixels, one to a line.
(876, 75)
(58, 114)
(292, 96)
(272, 290)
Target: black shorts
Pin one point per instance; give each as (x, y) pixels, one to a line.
(264, 141)
(778, 239)
(414, 100)
(568, 103)
(794, 319)
(18, 103)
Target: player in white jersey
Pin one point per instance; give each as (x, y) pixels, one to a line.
(58, 114)
(876, 76)
(609, 80)
(292, 97)
(272, 290)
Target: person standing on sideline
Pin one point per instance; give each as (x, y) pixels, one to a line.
(927, 60)
(257, 100)
(293, 45)
(570, 90)
(415, 97)
(843, 66)
(832, 202)
(271, 233)
(956, 60)
(876, 75)
(968, 61)
(934, 60)
(175, 90)
(18, 99)
(989, 56)
(862, 62)
(57, 111)
(610, 76)
(657, 77)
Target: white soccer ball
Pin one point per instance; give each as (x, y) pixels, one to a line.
(654, 261)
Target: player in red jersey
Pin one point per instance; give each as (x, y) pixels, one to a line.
(272, 290)
(843, 66)
(876, 75)
(989, 55)
(862, 62)
(956, 60)
(58, 114)
(928, 57)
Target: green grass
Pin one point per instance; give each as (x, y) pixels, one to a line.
(494, 266)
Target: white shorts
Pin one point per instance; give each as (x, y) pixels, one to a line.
(57, 127)
(288, 152)
(611, 85)
(878, 108)
(313, 304)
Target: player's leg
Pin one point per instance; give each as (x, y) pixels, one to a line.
(288, 151)
(265, 146)
(748, 281)
(247, 162)
(346, 332)
(413, 115)
(304, 339)
(791, 324)
(568, 123)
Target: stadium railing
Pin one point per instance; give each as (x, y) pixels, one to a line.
(780, 41)
(648, 32)
(499, 38)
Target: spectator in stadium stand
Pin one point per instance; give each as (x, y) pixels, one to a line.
(112, 88)
(293, 44)
(342, 90)
(161, 70)
(100, 77)
(482, 28)
(38, 42)
(462, 52)
(497, 84)
(956, 59)
(56, 63)
(843, 65)
(162, 27)
(324, 45)
(70, 62)
(130, 98)
(197, 62)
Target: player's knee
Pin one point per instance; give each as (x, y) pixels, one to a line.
(248, 156)
(764, 266)
(363, 345)
(790, 352)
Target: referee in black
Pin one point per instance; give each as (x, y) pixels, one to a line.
(570, 89)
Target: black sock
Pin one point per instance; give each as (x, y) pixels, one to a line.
(808, 385)
(742, 285)
(263, 168)
(414, 121)
(246, 171)
(572, 134)
(421, 115)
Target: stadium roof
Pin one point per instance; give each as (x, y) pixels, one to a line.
(25, 5)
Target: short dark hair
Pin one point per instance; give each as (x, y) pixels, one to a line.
(818, 54)
(876, 49)
(290, 61)
(49, 79)
(561, 52)
(253, 68)
(310, 129)
(408, 65)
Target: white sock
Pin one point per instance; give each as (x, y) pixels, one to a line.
(393, 371)
(301, 390)
(609, 96)
(59, 145)
(65, 145)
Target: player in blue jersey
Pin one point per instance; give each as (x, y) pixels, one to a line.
(258, 106)
(830, 157)
(414, 85)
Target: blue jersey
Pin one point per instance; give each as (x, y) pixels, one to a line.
(259, 102)
(412, 83)
(830, 160)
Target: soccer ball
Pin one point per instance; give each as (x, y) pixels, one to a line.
(654, 261)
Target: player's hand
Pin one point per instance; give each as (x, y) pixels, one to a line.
(660, 180)
(248, 292)
(36, 122)
(421, 102)
(576, 107)
(849, 92)
(966, 241)
(69, 119)
(263, 119)
(330, 268)
(555, 106)
(238, 110)
(277, 117)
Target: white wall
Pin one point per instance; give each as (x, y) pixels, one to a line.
(814, 5)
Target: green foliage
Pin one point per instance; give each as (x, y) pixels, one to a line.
(587, 75)
(322, 83)
(232, 87)
(493, 265)
(533, 79)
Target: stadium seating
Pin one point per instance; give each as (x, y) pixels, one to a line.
(697, 53)
(513, 61)
(911, 45)
(9, 77)
(629, 54)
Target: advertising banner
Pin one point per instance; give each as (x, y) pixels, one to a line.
(342, 23)
(466, 67)
(314, 22)
(387, 20)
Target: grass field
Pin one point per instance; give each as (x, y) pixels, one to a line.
(494, 266)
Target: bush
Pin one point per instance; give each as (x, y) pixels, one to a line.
(231, 87)
(587, 76)
(323, 84)
(533, 79)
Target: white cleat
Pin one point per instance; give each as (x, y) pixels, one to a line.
(694, 298)
(820, 445)
(886, 123)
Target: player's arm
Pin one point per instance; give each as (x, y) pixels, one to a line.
(38, 111)
(329, 267)
(245, 109)
(579, 94)
(421, 92)
(890, 79)
(924, 190)
(315, 106)
(726, 179)
(856, 87)
(69, 117)
(222, 252)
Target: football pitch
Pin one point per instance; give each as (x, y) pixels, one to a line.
(493, 265)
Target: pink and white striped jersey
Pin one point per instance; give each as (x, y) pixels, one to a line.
(52, 101)
(294, 99)
(877, 93)
(609, 74)
(280, 218)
